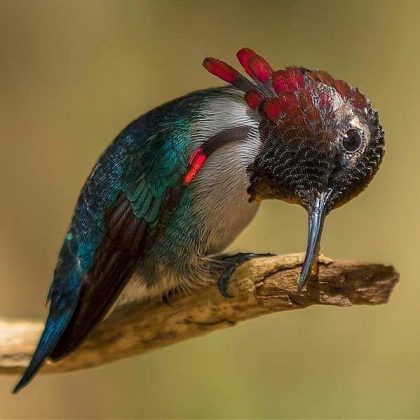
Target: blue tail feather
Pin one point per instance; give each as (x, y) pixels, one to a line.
(63, 297)
(54, 329)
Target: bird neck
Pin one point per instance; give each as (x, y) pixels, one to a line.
(222, 109)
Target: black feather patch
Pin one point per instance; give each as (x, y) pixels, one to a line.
(115, 261)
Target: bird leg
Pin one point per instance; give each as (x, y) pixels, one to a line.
(167, 297)
(230, 263)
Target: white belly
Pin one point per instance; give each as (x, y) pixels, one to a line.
(222, 198)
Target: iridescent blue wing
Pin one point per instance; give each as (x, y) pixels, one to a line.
(119, 206)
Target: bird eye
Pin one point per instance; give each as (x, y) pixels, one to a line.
(352, 141)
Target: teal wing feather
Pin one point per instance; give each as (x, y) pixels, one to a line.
(119, 206)
(159, 165)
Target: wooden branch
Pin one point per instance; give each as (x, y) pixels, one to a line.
(260, 287)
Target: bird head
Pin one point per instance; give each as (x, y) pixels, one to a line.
(321, 140)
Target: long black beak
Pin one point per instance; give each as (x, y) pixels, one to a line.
(316, 217)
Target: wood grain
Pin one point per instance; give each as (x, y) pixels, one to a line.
(261, 286)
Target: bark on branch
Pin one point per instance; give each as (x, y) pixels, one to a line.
(261, 286)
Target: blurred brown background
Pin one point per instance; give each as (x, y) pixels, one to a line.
(73, 73)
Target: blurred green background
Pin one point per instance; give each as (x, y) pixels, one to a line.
(73, 73)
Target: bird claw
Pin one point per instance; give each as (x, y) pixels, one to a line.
(167, 297)
(232, 262)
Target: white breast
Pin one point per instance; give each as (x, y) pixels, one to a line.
(221, 202)
(221, 185)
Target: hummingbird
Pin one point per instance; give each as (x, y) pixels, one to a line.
(179, 183)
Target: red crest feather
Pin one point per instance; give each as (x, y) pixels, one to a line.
(283, 92)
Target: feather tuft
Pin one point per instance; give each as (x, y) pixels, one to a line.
(227, 73)
(290, 90)
(275, 108)
(253, 99)
(221, 70)
(244, 56)
(256, 66)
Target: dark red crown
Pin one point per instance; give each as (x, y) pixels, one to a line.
(281, 93)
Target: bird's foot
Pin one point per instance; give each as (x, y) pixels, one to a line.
(230, 263)
(167, 297)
